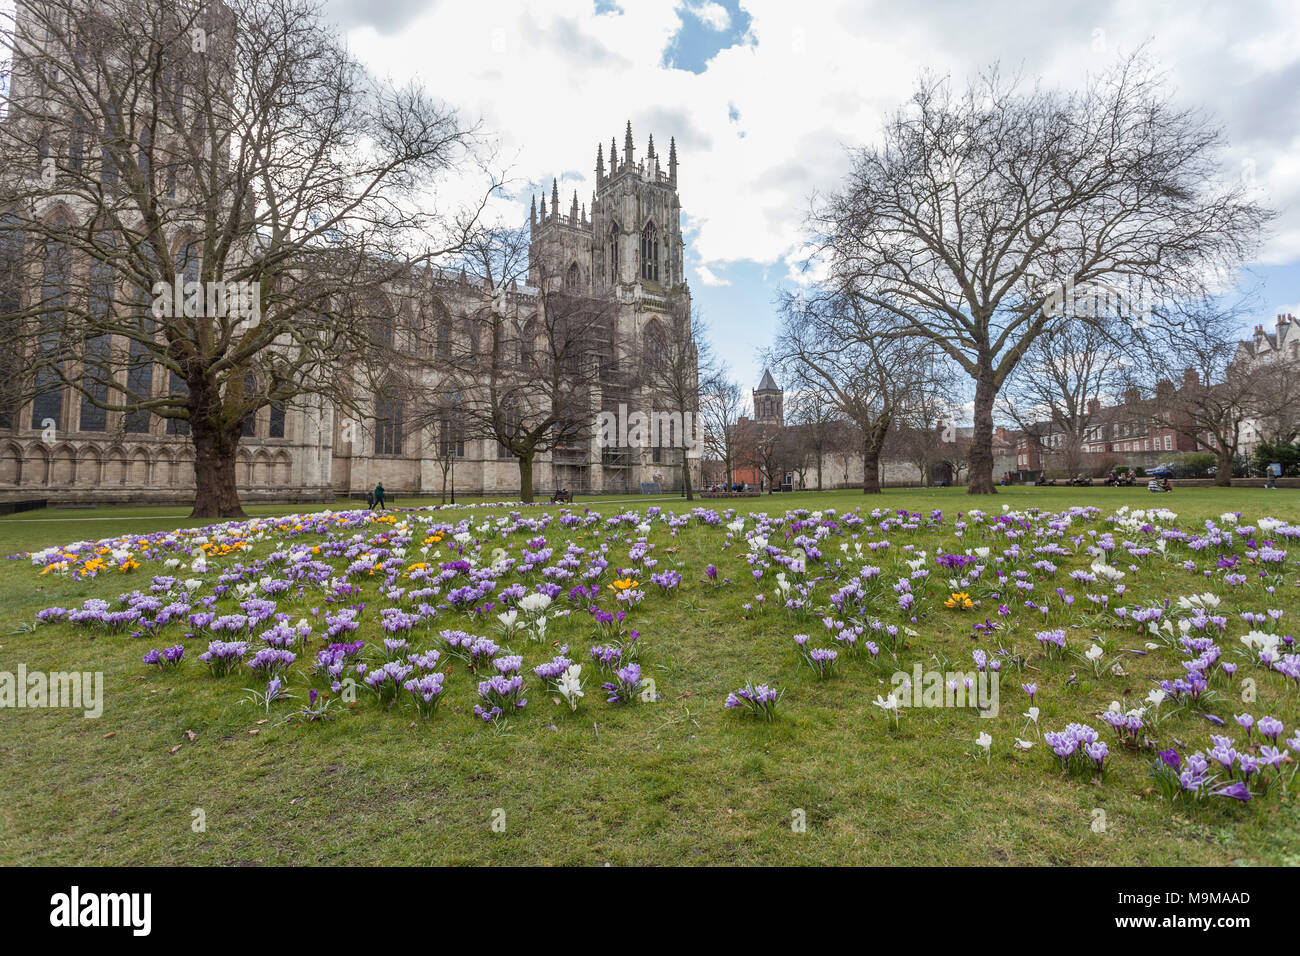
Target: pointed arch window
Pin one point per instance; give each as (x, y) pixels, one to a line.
(613, 251)
(248, 427)
(572, 278)
(97, 370)
(381, 326)
(656, 344)
(11, 275)
(55, 279)
(650, 252)
(388, 426)
(442, 332)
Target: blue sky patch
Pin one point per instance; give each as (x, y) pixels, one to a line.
(700, 39)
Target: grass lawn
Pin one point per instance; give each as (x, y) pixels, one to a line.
(680, 780)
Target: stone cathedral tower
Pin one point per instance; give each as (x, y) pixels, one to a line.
(630, 246)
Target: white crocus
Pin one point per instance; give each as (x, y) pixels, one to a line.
(569, 685)
(534, 603)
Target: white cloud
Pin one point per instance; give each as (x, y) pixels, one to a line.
(552, 80)
(712, 15)
(708, 278)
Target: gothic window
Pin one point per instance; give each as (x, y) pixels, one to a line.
(11, 272)
(96, 358)
(613, 252)
(471, 333)
(139, 385)
(77, 143)
(380, 325)
(108, 165)
(139, 366)
(178, 388)
(451, 439)
(442, 348)
(191, 253)
(54, 292)
(248, 427)
(527, 343)
(388, 427)
(276, 429)
(144, 158)
(656, 344)
(650, 252)
(571, 278)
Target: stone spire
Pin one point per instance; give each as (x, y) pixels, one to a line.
(672, 160)
(627, 144)
(532, 215)
(555, 197)
(600, 164)
(573, 209)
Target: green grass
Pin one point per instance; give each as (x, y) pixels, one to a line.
(679, 781)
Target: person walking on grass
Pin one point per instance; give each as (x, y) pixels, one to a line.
(379, 496)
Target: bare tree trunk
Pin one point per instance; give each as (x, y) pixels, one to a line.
(819, 472)
(1223, 476)
(526, 478)
(871, 469)
(215, 492)
(686, 477)
(980, 465)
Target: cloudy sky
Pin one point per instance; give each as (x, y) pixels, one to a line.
(763, 96)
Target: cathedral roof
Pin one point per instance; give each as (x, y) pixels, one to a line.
(768, 384)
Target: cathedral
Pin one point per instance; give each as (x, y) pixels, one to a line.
(627, 247)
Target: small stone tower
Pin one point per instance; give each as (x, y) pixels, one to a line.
(768, 401)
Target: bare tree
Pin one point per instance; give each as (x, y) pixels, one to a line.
(983, 209)
(1054, 395)
(527, 372)
(813, 415)
(722, 402)
(769, 449)
(1217, 395)
(164, 158)
(678, 363)
(835, 344)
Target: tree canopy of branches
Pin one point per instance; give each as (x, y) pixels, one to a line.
(1054, 395)
(241, 148)
(722, 402)
(982, 209)
(1218, 393)
(818, 424)
(529, 369)
(839, 346)
(677, 365)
